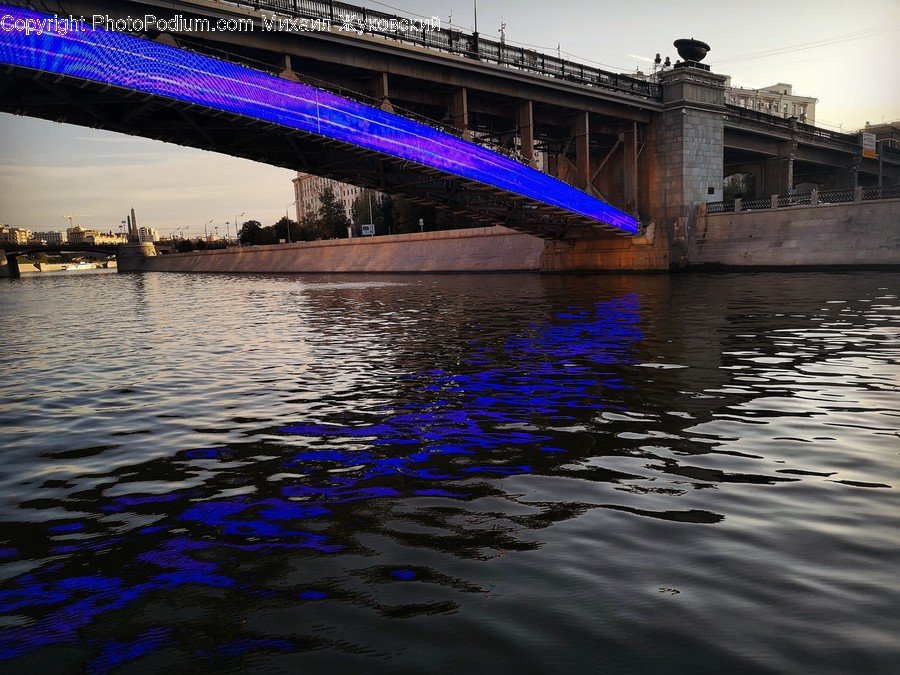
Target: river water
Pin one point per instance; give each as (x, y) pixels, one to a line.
(417, 474)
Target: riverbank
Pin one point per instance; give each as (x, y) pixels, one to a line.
(483, 249)
(859, 234)
(41, 267)
(864, 234)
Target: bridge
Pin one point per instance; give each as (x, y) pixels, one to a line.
(442, 116)
(20, 249)
(9, 253)
(327, 133)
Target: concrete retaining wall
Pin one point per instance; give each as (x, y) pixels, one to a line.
(865, 233)
(858, 234)
(488, 249)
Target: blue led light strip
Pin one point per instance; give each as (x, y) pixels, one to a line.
(78, 50)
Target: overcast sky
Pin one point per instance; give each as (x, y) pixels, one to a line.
(845, 54)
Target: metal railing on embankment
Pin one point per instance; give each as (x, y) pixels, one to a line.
(814, 198)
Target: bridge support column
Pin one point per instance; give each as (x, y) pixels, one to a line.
(772, 177)
(130, 257)
(629, 140)
(525, 116)
(9, 267)
(848, 177)
(288, 72)
(380, 92)
(459, 112)
(688, 153)
(582, 134)
(779, 173)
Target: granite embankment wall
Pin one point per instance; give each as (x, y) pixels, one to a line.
(488, 249)
(850, 235)
(853, 234)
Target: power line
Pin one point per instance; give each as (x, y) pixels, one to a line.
(817, 44)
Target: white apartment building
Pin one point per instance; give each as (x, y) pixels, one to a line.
(777, 99)
(307, 189)
(49, 238)
(148, 234)
(79, 235)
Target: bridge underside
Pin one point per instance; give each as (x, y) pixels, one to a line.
(73, 99)
(779, 163)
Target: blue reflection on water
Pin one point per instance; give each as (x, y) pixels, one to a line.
(477, 422)
(116, 653)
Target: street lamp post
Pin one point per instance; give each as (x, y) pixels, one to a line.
(288, 220)
(881, 160)
(236, 219)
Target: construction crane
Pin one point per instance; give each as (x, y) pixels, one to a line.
(72, 217)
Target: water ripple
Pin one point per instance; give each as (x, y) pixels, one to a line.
(275, 473)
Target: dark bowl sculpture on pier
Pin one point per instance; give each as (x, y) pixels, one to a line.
(691, 49)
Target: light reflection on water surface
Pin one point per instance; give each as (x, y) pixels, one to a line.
(531, 474)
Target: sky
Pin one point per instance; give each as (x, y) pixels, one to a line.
(845, 54)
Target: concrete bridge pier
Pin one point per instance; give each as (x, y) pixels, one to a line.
(581, 133)
(630, 185)
(779, 170)
(459, 111)
(381, 93)
(688, 153)
(130, 257)
(681, 166)
(848, 177)
(525, 120)
(9, 267)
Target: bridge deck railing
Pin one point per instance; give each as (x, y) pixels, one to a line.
(735, 112)
(813, 198)
(424, 33)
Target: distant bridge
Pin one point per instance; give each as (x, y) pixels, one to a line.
(10, 253)
(27, 249)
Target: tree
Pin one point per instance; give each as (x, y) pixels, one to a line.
(363, 208)
(250, 233)
(332, 215)
(286, 229)
(310, 228)
(739, 186)
(384, 215)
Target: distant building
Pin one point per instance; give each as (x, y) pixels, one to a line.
(148, 234)
(888, 132)
(105, 238)
(777, 99)
(307, 189)
(49, 238)
(14, 235)
(79, 235)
